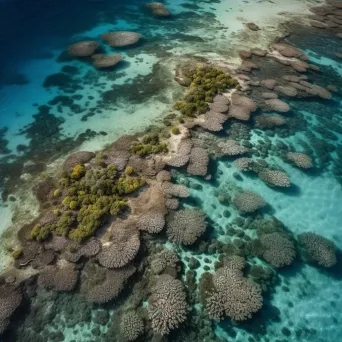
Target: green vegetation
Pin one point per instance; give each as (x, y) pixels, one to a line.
(129, 170)
(175, 130)
(89, 195)
(206, 82)
(16, 254)
(149, 144)
(57, 193)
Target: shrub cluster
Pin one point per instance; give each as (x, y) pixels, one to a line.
(150, 144)
(88, 195)
(206, 83)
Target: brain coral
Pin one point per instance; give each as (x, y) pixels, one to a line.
(248, 201)
(185, 226)
(124, 245)
(235, 296)
(301, 160)
(167, 307)
(131, 325)
(319, 248)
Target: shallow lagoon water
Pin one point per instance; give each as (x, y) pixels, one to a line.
(307, 299)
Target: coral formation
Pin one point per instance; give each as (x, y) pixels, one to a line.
(275, 178)
(61, 279)
(241, 107)
(248, 201)
(158, 9)
(301, 160)
(278, 249)
(166, 258)
(123, 246)
(270, 121)
(111, 287)
(318, 248)
(198, 162)
(167, 307)
(121, 38)
(83, 49)
(232, 148)
(105, 61)
(233, 296)
(10, 299)
(185, 226)
(131, 325)
(277, 105)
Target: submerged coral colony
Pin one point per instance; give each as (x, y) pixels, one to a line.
(116, 226)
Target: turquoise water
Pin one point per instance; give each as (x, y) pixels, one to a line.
(86, 109)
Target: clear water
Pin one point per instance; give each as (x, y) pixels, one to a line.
(306, 303)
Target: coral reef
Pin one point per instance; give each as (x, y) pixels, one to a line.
(232, 148)
(111, 287)
(105, 61)
(158, 9)
(121, 38)
(278, 249)
(83, 49)
(248, 201)
(275, 178)
(241, 107)
(166, 258)
(10, 299)
(185, 226)
(60, 279)
(131, 326)
(123, 246)
(233, 296)
(167, 306)
(299, 159)
(318, 248)
(270, 121)
(198, 162)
